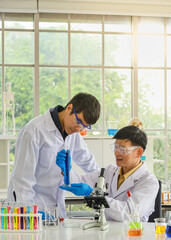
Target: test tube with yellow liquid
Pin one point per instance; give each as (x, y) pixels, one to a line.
(31, 221)
(15, 218)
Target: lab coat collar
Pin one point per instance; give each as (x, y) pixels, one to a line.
(131, 180)
(50, 125)
(115, 181)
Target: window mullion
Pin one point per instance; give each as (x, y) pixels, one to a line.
(36, 59)
(135, 68)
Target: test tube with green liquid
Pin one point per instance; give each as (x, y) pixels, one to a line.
(31, 221)
(5, 218)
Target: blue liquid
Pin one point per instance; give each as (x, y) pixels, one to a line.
(143, 158)
(2, 219)
(112, 131)
(168, 231)
(66, 170)
(28, 218)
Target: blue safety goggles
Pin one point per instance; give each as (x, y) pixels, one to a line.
(78, 122)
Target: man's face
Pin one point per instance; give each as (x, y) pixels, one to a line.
(127, 155)
(71, 124)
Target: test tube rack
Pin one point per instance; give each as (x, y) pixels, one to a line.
(10, 222)
(166, 197)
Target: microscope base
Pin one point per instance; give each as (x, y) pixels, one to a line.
(103, 226)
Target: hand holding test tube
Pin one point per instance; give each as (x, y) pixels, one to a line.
(60, 159)
(63, 160)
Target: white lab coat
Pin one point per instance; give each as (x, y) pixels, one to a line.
(35, 176)
(142, 184)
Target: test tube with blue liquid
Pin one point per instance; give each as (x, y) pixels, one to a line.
(66, 169)
(2, 218)
(28, 218)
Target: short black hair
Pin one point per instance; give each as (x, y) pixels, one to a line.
(133, 134)
(88, 104)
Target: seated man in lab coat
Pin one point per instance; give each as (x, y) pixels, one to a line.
(129, 174)
(35, 176)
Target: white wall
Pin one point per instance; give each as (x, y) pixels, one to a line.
(113, 7)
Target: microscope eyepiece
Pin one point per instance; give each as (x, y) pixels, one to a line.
(102, 172)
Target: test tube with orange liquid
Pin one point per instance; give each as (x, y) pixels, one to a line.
(18, 218)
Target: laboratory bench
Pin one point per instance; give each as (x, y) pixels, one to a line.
(165, 208)
(116, 231)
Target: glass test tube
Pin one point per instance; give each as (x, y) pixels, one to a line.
(2, 218)
(28, 218)
(0, 212)
(31, 221)
(21, 218)
(12, 218)
(35, 219)
(25, 219)
(18, 219)
(66, 169)
(15, 218)
(5, 217)
(9, 225)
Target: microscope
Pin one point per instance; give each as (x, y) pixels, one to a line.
(98, 201)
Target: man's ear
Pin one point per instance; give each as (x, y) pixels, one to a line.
(140, 151)
(69, 108)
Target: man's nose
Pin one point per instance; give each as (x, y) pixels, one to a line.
(78, 128)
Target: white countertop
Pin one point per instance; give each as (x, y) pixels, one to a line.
(116, 231)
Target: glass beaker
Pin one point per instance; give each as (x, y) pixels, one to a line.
(135, 226)
(112, 127)
(51, 216)
(160, 225)
(168, 229)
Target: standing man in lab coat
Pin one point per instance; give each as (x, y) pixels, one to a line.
(35, 176)
(129, 174)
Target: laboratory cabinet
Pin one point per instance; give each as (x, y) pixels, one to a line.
(100, 148)
(4, 163)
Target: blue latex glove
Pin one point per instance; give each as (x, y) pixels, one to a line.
(60, 159)
(79, 189)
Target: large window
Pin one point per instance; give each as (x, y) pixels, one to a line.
(124, 61)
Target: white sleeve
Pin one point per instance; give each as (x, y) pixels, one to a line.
(90, 178)
(26, 158)
(143, 199)
(83, 157)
